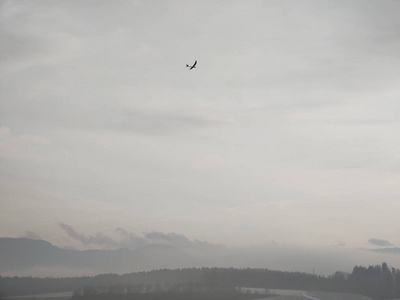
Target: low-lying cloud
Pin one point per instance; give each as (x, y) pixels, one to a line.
(172, 238)
(387, 250)
(379, 242)
(132, 241)
(98, 239)
(32, 235)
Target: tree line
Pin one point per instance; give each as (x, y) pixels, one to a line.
(378, 282)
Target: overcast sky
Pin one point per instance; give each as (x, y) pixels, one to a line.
(287, 131)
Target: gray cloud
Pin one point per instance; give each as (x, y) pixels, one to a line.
(310, 92)
(32, 235)
(98, 239)
(132, 241)
(155, 123)
(379, 242)
(391, 250)
(148, 122)
(172, 238)
(121, 231)
(179, 240)
(16, 46)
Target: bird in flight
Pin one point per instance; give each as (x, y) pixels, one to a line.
(192, 67)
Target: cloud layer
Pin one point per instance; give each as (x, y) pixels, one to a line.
(132, 241)
(290, 121)
(379, 242)
(98, 239)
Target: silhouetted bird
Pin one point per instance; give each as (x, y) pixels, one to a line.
(191, 67)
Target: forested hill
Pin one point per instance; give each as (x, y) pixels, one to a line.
(375, 281)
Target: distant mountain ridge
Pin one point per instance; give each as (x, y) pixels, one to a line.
(29, 257)
(19, 254)
(390, 250)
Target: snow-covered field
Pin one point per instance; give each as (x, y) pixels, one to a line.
(322, 296)
(306, 295)
(47, 296)
(336, 296)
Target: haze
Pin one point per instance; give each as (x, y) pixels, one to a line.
(286, 133)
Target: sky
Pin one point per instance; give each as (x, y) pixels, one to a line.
(286, 132)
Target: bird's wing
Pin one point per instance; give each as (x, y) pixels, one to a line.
(195, 63)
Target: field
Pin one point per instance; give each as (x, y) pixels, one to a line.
(304, 295)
